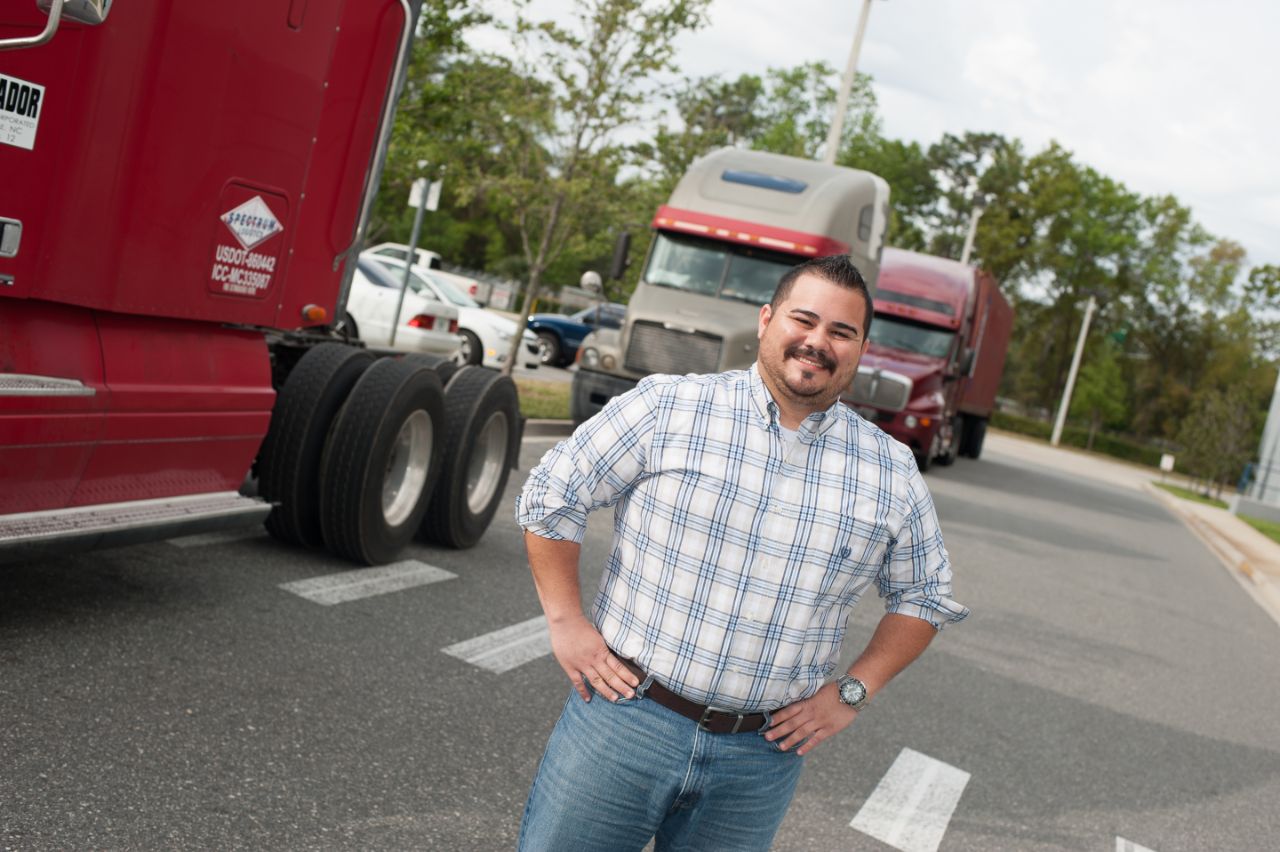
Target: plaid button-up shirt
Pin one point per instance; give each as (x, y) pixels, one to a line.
(737, 555)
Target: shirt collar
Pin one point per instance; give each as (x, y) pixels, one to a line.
(766, 409)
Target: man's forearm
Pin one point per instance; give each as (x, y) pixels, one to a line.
(898, 640)
(555, 574)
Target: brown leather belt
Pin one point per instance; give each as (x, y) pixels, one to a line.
(709, 720)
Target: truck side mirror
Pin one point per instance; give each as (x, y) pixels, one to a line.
(621, 248)
(966, 362)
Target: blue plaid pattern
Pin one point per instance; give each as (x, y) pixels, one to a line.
(737, 555)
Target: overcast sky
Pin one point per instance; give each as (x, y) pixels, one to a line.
(1166, 96)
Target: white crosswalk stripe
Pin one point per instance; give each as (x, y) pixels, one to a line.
(367, 582)
(505, 649)
(912, 805)
(1123, 845)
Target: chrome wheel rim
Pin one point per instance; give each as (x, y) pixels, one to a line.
(489, 454)
(407, 468)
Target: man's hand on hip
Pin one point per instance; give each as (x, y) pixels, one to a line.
(585, 658)
(814, 719)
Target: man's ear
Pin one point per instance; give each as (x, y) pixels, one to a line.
(766, 313)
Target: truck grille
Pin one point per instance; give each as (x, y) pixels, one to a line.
(657, 349)
(879, 389)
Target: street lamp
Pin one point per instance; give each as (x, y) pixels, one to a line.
(1075, 368)
(846, 85)
(979, 207)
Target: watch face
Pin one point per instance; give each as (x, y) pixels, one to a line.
(852, 691)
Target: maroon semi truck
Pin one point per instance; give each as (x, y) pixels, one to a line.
(186, 190)
(938, 342)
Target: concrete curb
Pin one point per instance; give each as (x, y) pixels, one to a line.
(1258, 585)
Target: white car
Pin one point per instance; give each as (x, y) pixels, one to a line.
(427, 324)
(486, 335)
(429, 260)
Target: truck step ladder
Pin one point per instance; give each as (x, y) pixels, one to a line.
(33, 535)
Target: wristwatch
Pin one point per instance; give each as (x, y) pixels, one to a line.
(852, 691)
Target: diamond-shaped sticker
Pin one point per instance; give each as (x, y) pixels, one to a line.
(252, 222)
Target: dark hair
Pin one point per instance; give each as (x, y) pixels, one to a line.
(837, 269)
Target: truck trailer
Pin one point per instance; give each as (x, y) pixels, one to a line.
(186, 191)
(938, 341)
(736, 221)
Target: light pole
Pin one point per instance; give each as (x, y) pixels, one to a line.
(1071, 375)
(979, 207)
(846, 85)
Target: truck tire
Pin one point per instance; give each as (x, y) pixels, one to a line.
(289, 462)
(923, 460)
(444, 367)
(381, 461)
(974, 433)
(481, 442)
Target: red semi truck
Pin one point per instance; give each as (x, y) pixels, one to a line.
(938, 342)
(186, 188)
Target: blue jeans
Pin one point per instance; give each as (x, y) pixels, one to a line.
(616, 775)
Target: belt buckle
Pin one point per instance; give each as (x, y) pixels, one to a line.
(706, 715)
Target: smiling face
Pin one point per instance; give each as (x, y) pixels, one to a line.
(810, 346)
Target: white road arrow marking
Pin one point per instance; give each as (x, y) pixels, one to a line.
(912, 805)
(505, 649)
(367, 582)
(1123, 845)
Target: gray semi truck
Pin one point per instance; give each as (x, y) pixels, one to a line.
(734, 224)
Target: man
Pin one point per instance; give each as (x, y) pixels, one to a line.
(752, 509)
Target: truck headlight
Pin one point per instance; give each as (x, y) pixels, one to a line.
(590, 358)
(910, 422)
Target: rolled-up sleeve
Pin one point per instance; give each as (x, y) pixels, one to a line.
(592, 469)
(915, 579)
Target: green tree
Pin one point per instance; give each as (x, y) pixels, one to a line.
(1219, 436)
(449, 96)
(599, 74)
(1099, 394)
(913, 186)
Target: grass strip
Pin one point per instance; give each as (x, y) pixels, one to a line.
(1268, 528)
(1187, 494)
(542, 400)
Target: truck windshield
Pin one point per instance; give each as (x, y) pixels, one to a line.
(911, 336)
(712, 268)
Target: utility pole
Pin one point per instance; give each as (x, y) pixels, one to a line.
(1071, 376)
(846, 85)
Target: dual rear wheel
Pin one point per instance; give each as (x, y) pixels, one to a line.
(363, 454)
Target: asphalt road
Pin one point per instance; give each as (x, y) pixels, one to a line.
(1113, 686)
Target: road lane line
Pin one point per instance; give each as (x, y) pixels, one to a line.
(913, 803)
(203, 539)
(1123, 845)
(366, 582)
(505, 649)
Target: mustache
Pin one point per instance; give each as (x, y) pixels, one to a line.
(812, 354)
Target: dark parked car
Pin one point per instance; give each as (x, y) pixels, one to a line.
(559, 336)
